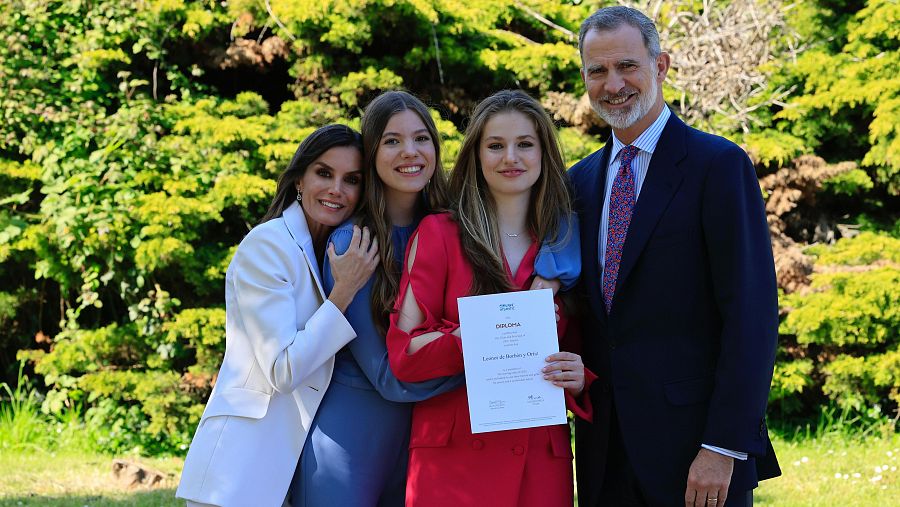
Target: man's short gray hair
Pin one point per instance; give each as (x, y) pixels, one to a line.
(610, 18)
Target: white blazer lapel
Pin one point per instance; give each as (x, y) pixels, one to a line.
(295, 221)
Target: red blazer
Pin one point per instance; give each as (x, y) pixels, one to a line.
(448, 464)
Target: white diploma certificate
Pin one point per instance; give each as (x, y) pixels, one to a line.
(506, 338)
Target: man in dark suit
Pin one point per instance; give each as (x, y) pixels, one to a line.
(680, 283)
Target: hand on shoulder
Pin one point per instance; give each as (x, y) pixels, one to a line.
(352, 269)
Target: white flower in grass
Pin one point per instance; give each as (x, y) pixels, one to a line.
(796, 463)
(837, 475)
(804, 459)
(857, 475)
(893, 469)
(875, 479)
(877, 470)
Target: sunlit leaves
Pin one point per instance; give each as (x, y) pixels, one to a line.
(861, 80)
(851, 314)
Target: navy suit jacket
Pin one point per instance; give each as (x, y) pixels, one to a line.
(687, 351)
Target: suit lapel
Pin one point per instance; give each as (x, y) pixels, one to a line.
(590, 226)
(662, 181)
(296, 225)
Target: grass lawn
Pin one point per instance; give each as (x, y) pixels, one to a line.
(834, 471)
(819, 472)
(38, 478)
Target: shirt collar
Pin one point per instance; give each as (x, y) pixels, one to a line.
(648, 139)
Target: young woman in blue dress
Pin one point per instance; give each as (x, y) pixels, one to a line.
(358, 447)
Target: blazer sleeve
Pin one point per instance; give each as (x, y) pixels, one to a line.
(744, 287)
(266, 275)
(369, 349)
(561, 259)
(428, 279)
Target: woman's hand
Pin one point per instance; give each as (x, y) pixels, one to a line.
(565, 370)
(540, 282)
(352, 269)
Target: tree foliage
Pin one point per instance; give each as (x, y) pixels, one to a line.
(849, 104)
(848, 321)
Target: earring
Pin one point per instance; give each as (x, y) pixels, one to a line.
(299, 195)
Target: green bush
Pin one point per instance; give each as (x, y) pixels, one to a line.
(791, 378)
(848, 322)
(857, 42)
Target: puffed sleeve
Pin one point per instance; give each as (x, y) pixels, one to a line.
(265, 276)
(369, 349)
(428, 279)
(561, 259)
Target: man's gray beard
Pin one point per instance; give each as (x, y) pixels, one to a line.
(621, 120)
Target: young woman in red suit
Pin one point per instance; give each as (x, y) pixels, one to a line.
(510, 188)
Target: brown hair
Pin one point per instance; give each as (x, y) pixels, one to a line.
(373, 211)
(475, 210)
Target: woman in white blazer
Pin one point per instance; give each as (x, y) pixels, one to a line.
(281, 331)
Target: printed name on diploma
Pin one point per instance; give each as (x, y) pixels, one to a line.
(510, 356)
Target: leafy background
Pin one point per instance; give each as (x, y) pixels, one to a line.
(141, 140)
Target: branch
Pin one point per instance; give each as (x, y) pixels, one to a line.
(536, 15)
(278, 21)
(437, 52)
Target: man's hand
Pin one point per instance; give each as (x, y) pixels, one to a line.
(708, 479)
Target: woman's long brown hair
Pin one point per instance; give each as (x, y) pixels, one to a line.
(373, 212)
